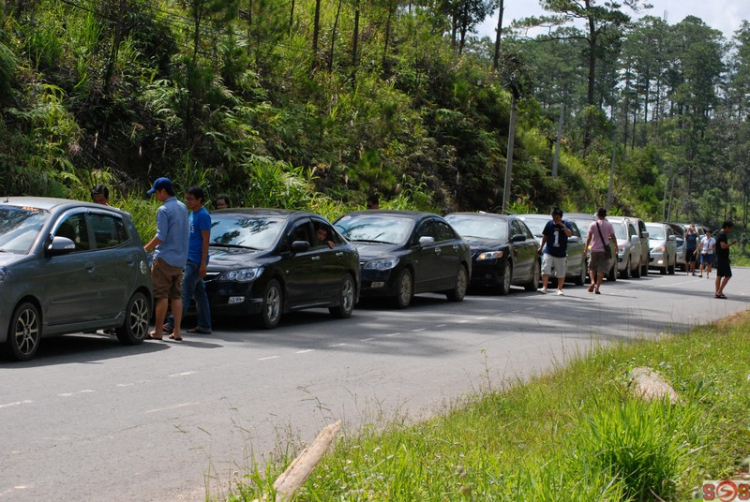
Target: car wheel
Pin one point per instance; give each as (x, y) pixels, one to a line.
(137, 317)
(405, 290)
(537, 274)
(625, 274)
(670, 268)
(273, 301)
(462, 283)
(580, 279)
(644, 268)
(25, 332)
(346, 298)
(637, 271)
(663, 270)
(507, 278)
(612, 276)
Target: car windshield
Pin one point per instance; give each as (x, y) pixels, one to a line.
(583, 227)
(19, 228)
(656, 232)
(388, 229)
(479, 227)
(247, 231)
(536, 225)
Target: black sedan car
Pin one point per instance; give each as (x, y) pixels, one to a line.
(503, 250)
(265, 262)
(403, 253)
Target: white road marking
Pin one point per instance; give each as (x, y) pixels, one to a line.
(441, 325)
(268, 358)
(338, 345)
(182, 405)
(482, 318)
(369, 339)
(462, 321)
(17, 403)
(184, 373)
(68, 394)
(304, 351)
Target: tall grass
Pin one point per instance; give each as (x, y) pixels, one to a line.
(576, 434)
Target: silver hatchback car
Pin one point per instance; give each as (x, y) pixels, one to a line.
(66, 267)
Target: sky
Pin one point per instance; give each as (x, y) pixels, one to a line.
(724, 15)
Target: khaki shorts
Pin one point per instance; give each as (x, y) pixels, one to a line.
(166, 280)
(560, 264)
(599, 264)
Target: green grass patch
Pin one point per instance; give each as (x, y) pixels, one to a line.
(576, 434)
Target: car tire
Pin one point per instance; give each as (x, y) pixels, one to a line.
(625, 274)
(612, 276)
(663, 271)
(507, 279)
(537, 275)
(25, 332)
(637, 271)
(271, 306)
(137, 317)
(458, 293)
(580, 279)
(346, 299)
(405, 289)
(644, 267)
(670, 268)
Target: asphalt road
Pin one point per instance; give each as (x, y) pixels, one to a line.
(91, 420)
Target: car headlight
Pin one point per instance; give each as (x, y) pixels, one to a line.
(242, 274)
(490, 255)
(3, 274)
(381, 264)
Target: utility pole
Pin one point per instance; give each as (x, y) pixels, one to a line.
(556, 160)
(611, 178)
(511, 139)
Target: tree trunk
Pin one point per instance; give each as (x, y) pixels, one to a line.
(498, 35)
(333, 37)
(249, 26)
(291, 18)
(355, 39)
(316, 32)
(387, 35)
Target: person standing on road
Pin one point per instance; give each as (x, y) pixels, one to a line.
(691, 244)
(723, 269)
(193, 286)
(601, 233)
(554, 249)
(222, 202)
(706, 247)
(170, 246)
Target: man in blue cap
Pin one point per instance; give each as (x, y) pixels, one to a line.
(170, 246)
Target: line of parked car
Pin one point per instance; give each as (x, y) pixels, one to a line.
(71, 266)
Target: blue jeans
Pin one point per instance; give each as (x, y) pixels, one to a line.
(194, 287)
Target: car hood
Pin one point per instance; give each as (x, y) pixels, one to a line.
(11, 258)
(369, 250)
(228, 258)
(476, 244)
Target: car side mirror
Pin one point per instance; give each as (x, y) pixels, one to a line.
(672, 238)
(574, 238)
(300, 246)
(518, 238)
(645, 235)
(60, 245)
(426, 240)
(635, 239)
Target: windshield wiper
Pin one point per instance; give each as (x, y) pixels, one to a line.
(373, 241)
(234, 246)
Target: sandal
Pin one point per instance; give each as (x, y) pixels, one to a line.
(175, 338)
(168, 328)
(720, 297)
(199, 330)
(151, 336)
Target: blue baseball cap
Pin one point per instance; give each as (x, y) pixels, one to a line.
(161, 184)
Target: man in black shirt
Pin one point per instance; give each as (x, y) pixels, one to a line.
(723, 270)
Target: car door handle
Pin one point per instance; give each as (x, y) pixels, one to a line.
(339, 254)
(438, 250)
(316, 258)
(455, 247)
(90, 266)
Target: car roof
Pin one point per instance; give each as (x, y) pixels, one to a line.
(282, 213)
(54, 204)
(394, 212)
(483, 215)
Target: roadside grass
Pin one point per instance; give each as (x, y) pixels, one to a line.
(575, 434)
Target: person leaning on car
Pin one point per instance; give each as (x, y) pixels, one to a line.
(170, 246)
(601, 233)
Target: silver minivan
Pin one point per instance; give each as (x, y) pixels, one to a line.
(629, 246)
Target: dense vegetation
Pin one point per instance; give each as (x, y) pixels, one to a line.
(303, 103)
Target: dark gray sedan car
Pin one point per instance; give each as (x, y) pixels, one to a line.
(69, 266)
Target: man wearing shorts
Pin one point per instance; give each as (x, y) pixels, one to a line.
(723, 270)
(554, 247)
(601, 233)
(707, 245)
(170, 246)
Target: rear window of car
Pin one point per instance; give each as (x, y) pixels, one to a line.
(479, 227)
(19, 228)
